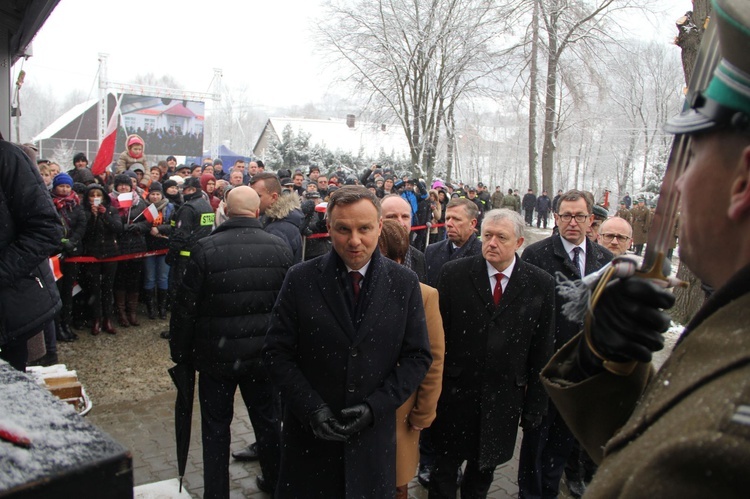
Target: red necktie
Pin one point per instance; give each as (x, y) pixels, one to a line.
(497, 293)
(356, 277)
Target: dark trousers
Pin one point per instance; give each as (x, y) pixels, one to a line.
(217, 409)
(99, 280)
(544, 452)
(541, 217)
(475, 484)
(638, 249)
(529, 216)
(16, 353)
(65, 287)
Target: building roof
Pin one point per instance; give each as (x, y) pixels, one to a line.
(65, 119)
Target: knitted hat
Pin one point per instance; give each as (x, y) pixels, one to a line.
(133, 140)
(156, 187)
(137, 167)
(130, 174)
(177, 180)
(167, 184)
(122, 179)
(62, 178)
(79, 157)
(192, 182)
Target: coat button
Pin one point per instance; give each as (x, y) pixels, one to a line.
(350, 387)
(354, 351)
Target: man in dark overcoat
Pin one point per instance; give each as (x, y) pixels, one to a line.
(546, 448)
(460, 222)
(346, 350)
(494, 354)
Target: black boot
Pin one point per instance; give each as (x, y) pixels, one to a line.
(68, 332)
(150, 305)
(60, 332)
(161, 298)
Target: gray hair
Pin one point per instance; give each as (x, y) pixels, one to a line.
(494, 216)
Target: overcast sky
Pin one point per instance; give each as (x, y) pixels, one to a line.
(265, 46)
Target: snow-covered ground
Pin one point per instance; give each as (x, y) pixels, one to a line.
(167, 489)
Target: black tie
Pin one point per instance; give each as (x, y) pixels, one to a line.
(576, 259)
(356, 277)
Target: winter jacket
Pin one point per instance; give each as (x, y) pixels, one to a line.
(192, 221)
(164, 227)
(74, 223)
(223, 308)
(103, 230)
(135, 225)
(125, 160)
(30, 231)
(284, 218)
(543, 204)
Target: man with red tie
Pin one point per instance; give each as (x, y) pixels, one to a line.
(498, 316)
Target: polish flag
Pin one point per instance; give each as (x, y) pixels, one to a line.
(321, 208)
(54, 263)
(106, 151)
(151, 212)
(125, 199)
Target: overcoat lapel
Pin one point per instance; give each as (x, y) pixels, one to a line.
(560, 253)
(374, 298)
(512, 290)
(482, 284)
(332, 293)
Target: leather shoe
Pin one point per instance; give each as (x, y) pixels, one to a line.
(264, 485)
(249, 453)
(423, 476)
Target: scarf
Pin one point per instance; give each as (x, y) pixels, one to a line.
(65, 205)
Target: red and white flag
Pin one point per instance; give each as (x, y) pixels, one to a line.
(106, 151)
(151, 212)
(125, 199)
(321, 208)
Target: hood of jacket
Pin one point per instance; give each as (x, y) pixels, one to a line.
(106, 201)
(283, 206)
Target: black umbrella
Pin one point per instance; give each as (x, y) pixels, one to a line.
(183, 376)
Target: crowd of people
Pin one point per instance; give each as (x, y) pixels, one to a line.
(371, 360)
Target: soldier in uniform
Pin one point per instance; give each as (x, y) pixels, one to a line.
(641, 224)
(624, 213)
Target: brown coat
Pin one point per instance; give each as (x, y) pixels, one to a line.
(420, 408)
(641, 224)
(684, 434)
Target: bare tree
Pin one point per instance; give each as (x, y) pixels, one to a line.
(568, 24)
(414, 59)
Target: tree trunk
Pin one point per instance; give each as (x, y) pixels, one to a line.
(690, 299)
(548, 149)
(533, 97)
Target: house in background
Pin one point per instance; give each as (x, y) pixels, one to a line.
(347, 136)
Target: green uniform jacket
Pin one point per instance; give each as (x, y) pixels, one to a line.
(641, 224)
(684, 432)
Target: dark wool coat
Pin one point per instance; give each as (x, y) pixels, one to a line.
(435, 255)
(135, 225)
(550, 255)
(684, 432)
(285, 219)
(102, 231)
(319, 352)
(30, 231)
(493, 357)
(223, 307)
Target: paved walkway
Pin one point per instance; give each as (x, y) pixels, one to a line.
(147, 430)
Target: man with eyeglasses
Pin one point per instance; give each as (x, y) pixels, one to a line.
(545, 448)
(615, 235)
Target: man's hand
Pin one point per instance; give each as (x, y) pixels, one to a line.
(356, 418)
(325, 425)
(628, 320)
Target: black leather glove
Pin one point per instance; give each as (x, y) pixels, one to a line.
(132, 228)
(530, 421)
(356, 418)
(628, 321)
(325, 426)
(68, 246)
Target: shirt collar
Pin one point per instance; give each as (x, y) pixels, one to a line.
(362, 271)
(507, 271)
(569, 246)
